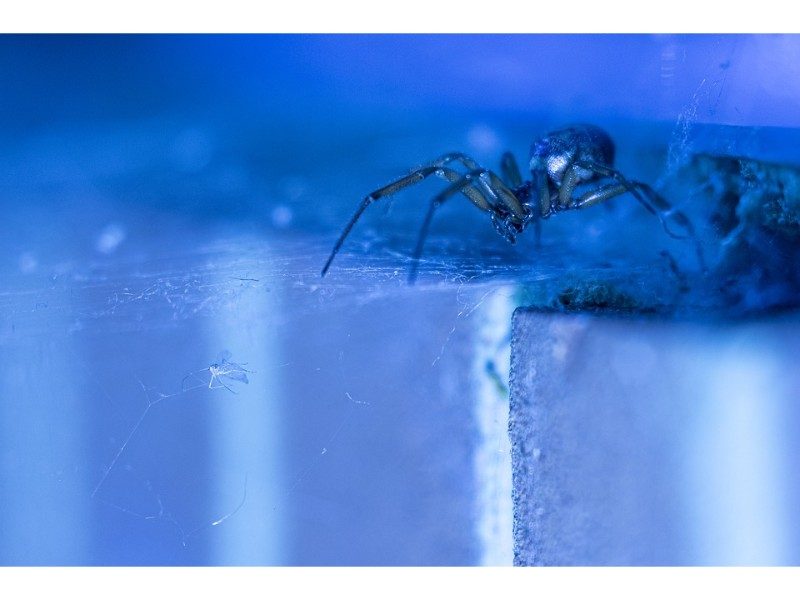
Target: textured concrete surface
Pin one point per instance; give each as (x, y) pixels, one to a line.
(644, 442)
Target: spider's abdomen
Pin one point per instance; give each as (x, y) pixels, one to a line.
(559, 150)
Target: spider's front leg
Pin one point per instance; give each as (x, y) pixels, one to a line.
(495, 195)
(466, 160)
(412, 178)
(458, 186)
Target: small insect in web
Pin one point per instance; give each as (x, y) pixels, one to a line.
(218, 373)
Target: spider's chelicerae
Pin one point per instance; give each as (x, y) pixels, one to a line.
(560, 162)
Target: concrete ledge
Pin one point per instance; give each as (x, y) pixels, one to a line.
(643, 442)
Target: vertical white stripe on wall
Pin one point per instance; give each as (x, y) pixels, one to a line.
(491, 364)
(246, 437)
(737, 493)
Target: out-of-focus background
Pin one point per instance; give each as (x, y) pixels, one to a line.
(168, 203)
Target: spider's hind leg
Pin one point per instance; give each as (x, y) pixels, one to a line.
(654, 203)
(599, 195)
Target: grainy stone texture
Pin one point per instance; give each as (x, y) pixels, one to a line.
(652, 442)
(750, 210)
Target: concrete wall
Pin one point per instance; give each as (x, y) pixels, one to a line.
(639, 442)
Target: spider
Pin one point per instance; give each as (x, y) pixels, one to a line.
(560, 162)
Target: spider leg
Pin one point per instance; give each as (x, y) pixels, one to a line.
(513, 177)
(510, 170)
(414, 177)
(542, 210)
(496, 190)
(568, 185)
(469, 162)
(655, 204)
(599, 195)
(459, 186)
(543, 189)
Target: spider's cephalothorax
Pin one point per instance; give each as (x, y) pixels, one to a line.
(560, 162)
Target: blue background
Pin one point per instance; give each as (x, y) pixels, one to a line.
(166, 198)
